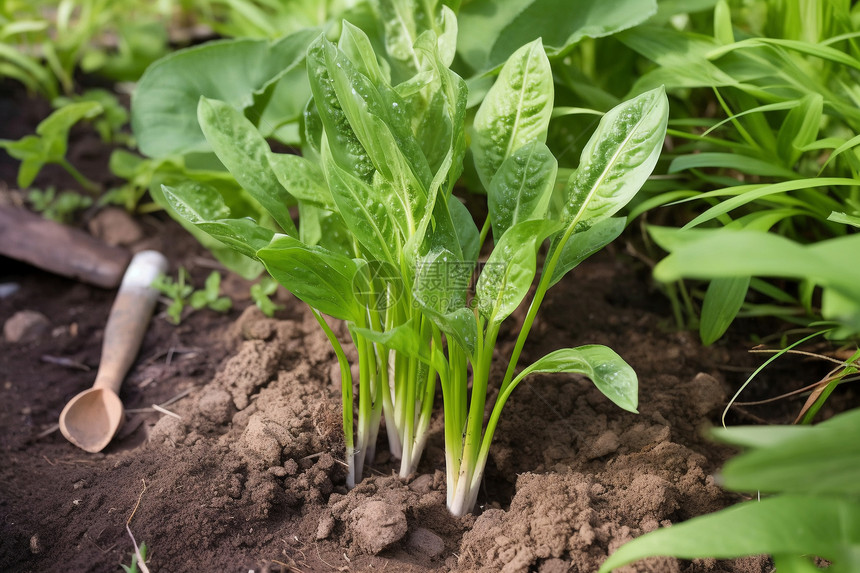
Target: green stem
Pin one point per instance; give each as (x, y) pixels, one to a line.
(347, 398)
(86, 183)
(408, 429)
(540, 292)
(484, 231)
(475, 422)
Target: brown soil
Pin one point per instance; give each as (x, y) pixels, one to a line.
(251, 477)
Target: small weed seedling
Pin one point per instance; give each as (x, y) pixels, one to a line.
(181, 294)
(260, 293)
(58, 207)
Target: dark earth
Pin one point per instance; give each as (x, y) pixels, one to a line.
(250, 476)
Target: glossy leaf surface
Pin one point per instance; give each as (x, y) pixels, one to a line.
(522, 187)
(603, 366)
(508, 273)
(516, 110)
(618, 158)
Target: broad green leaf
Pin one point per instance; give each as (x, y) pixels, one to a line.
(312, 130)
(467, 231)
(817, 460)
(439, 288)
(189, 203)
(325, 228)
(357, 47)
(757, 436)
(516, 110)
(195, 202)
(460, 326)
(403, 22)
(723, 300)
(447, 36)
(608, 371)
(277, 109)
(365, 212)
(490, 31)
(441, 280)
(377, 117)
(441, 131)
(709, 254)
(55, 128)
(826, 527)
(437, 231)
(583, 244)
(302, 179)
(725, 253)
(522, 187)
(344, 146)
(723, 32)
(617, 159)
(320, 278)
(164, 105)
(31, 152)
(244, 236)
(508, 273)
(245, 153)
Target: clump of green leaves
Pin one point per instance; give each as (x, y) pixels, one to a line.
(44, 42)
(110, 123)
(384, 245)
(58, 207)
(50, 143)
(182, 294)
(260, 293)
(809, 481)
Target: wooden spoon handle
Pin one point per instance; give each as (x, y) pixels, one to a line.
(59, 249)
(128, 319)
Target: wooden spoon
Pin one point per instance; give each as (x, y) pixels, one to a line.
(91, 419)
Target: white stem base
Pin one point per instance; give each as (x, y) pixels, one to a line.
(463, 492)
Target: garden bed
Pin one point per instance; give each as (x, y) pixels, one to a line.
(251, 477)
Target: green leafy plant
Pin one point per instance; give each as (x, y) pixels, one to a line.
(109, 124)
(809, 479)
(44, 42)
(383, 244)
(182, 294)
(50, 143)
(58, 207)
(16, 61)
(209, 296)
(260, 293)
(176, 291)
